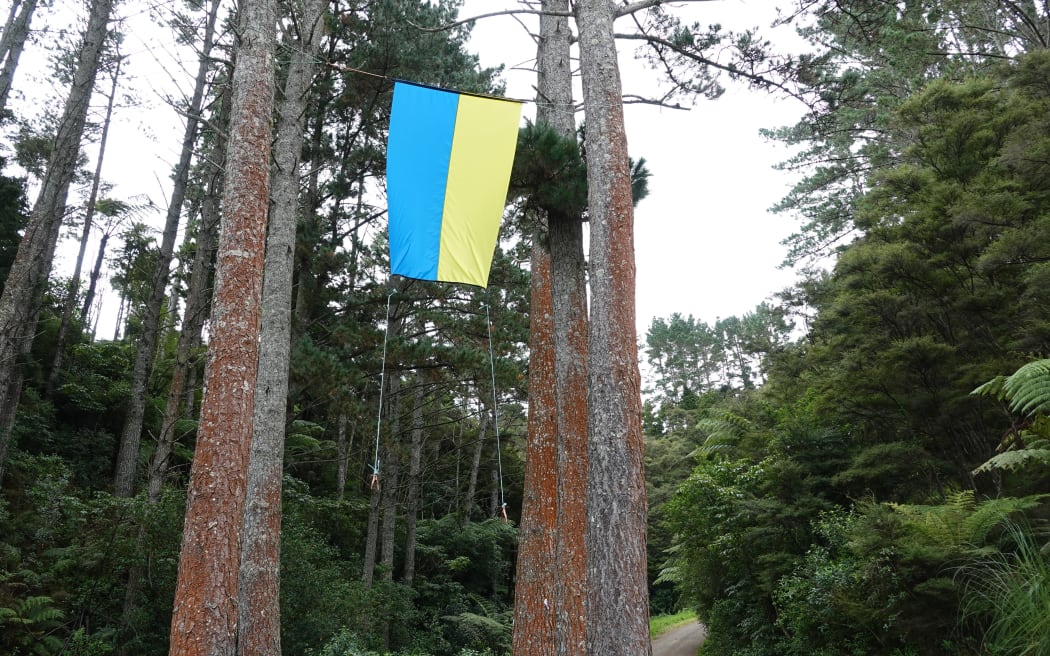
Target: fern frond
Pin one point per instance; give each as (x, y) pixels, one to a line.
(712, 446)
(670, 574)
(1011, 460)
(1028, 388)
(993, 388)
(992, 513)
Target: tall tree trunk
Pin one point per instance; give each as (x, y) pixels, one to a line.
(617, 596)
(16, 31)
(259, 606)
(569, 290)
(27, 279)
(535, 588)
(467, 506)
(204, 621)
(412, 495)
(74, 281)
(130, 437)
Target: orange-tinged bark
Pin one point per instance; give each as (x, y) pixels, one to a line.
(617, 594)
(535, 589)
(204, 621)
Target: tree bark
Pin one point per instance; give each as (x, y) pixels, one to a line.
(535, 589)
(412, 495)
(259, 626)
(617, 596)
(16, 31)
(27, 279)
(204, 621)
(569, 289)
(74, 281)
(131, 434)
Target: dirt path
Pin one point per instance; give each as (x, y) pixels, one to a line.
(682, 641)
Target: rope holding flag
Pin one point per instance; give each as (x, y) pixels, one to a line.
(449, 157)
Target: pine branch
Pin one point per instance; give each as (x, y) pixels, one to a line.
(506, 12)
(754, 78)
(640, 5)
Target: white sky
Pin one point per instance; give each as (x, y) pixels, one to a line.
(705, 243)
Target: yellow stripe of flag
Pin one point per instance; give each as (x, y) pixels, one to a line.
(486, 134)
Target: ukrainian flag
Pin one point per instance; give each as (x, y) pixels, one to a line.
(449, 157)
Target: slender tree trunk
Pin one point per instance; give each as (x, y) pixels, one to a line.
(475, 466)
(27, 279)
(372, 534)
(412, 496)
(16, 31)
(121, 308)
(569, 289)
(535, 587)
(391, 473)
(204, 621)
(617, 595)
(185, 360)
(343, 445)
(181, 391)
(130, 437)
(74, 281)
(186, 349)
(259, 606)
(96, 272)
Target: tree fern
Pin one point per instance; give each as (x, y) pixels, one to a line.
(1027, 391)
(961, 522)
(25, 626)
(1037, 451)
(723, 434)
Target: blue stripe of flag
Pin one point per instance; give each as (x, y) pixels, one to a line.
(422, 126)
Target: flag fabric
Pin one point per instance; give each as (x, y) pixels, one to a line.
(449, 157)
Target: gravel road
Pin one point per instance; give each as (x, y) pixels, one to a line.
(682, 641)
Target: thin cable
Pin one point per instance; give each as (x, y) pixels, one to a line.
(495, 414)
(374, 484)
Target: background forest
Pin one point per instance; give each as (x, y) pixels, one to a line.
(858, 466)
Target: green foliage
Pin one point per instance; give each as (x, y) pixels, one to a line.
(480, 633)
(549, 172)
(1008, 592)
(26, 627)
(879, 579)
(13, 217)
(1027, 391)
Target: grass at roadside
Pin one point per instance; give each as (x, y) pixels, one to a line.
(663, 623)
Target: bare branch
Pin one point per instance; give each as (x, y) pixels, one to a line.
(633, 99)
(754, 78)
(507, 12)
(639, 5)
